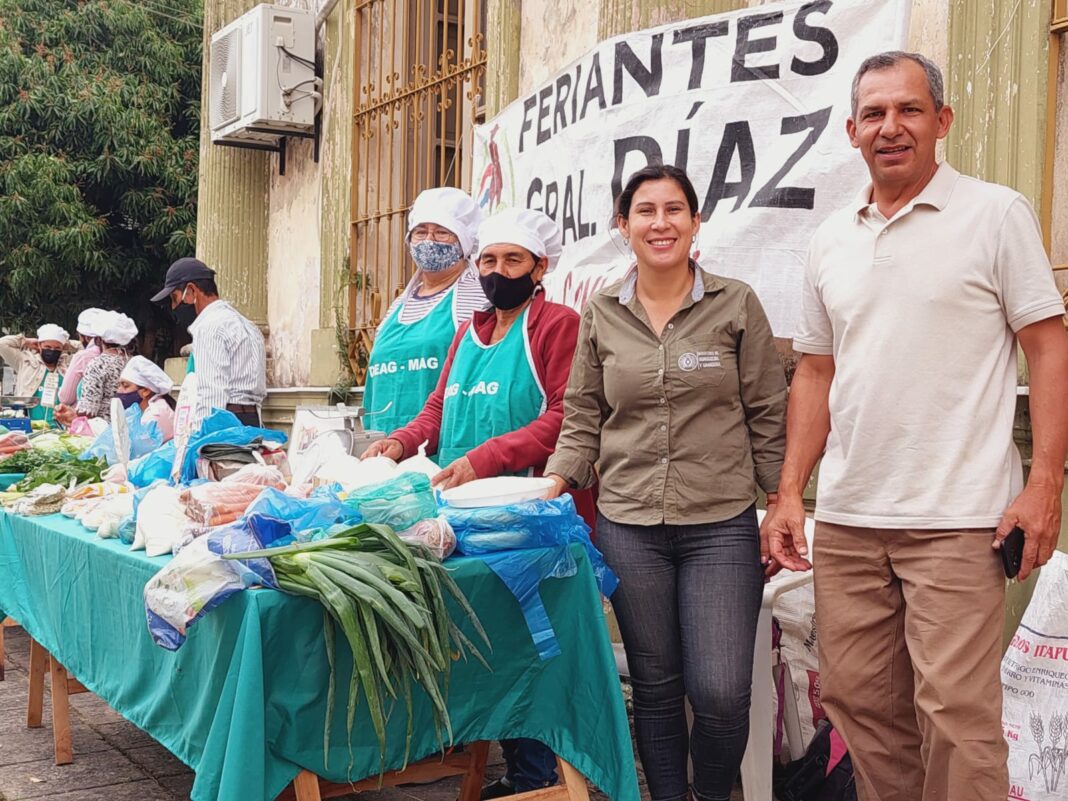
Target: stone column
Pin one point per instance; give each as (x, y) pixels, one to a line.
(503, 25)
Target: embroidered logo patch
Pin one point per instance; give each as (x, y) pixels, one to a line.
(690, 361)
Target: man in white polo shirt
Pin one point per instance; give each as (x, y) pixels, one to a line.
(914, 299)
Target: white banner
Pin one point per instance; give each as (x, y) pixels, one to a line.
(752, 104)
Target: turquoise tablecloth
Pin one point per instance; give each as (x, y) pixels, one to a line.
(243, 701)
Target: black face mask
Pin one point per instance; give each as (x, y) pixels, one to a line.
(184, 314)
(50, 356)
(507, 293)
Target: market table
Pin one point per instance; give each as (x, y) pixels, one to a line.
(243, 701)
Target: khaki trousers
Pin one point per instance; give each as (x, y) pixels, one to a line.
(910, 626)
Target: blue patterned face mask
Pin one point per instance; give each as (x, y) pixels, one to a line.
(433, 257)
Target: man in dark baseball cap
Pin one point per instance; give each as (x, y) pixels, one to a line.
(183, 272)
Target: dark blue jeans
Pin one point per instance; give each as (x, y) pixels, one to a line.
(687, 608)
(529, 764)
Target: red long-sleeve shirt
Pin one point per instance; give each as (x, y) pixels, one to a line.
(553, 331)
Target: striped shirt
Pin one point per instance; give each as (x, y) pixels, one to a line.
(230, 359)
(469, 299)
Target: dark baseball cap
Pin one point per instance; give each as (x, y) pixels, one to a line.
(181, 273)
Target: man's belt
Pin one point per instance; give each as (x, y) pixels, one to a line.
(242, 408)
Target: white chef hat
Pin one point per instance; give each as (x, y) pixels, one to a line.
(89, 322)
(147, 374)
(450, 208)
(117, 328)
(533, 230)
(50, 332)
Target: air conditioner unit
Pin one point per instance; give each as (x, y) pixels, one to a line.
(261, 88)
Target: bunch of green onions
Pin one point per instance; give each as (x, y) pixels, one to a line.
(388, 598)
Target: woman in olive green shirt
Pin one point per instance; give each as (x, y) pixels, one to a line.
(676, 403)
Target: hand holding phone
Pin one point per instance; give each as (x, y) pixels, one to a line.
(1012, 548)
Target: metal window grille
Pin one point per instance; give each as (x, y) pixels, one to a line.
(420, 67)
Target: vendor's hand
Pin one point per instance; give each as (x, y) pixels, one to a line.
(390, 448)
(558, 488)
(457, 473)
(30, 344)
(1037, 510)
(63, 414)
(782, 535)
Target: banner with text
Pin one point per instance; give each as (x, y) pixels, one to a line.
(752, 104)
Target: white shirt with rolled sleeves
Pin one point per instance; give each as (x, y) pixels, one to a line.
(229, 358)
(920, 313)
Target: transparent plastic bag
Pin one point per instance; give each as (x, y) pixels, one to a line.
(399, 503)
(217, 503)
(435, 533)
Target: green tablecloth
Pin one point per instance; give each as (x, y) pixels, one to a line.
(243, 701)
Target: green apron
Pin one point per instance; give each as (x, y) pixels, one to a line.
(46, 395)
(492, 390)
(405, 364)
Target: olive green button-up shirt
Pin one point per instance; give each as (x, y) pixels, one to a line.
(679, 428)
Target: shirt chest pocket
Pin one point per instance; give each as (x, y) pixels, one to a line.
(699, 361)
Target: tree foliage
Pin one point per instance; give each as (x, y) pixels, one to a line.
(99, 138)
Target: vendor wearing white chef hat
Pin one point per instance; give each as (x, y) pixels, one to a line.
(498, 406)
(413, 339)
(39, 364)
(143, 383)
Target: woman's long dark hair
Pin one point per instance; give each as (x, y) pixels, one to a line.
(656, 172)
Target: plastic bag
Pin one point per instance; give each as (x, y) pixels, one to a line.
(420, 463)
(399, 503)
(198, 579)
(159, 517)
(353, 474)
(435, 533)
(320, 510)
(262, 474)
(144, 438)
(1034, 676)
(216, 503)
(221, 427)
(524, 544)
(151, 467)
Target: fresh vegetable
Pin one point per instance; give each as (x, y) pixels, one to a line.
(388, 599)
(63, 473)
(27, 460)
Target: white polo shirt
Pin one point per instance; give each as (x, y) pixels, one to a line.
(920, 314)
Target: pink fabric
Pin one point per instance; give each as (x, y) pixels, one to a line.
(68, 390)
(838, 750)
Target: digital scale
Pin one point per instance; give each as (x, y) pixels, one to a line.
(13, 410)
(321, 432)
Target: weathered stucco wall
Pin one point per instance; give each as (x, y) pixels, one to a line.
(553, 33)
(293, 258)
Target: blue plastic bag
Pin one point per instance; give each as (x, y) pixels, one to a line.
(151, 467)
(222, 428)
(321, 510)
(524, 544)
(143, 438)
(199, 579)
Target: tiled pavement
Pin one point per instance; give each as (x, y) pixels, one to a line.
(116, 761)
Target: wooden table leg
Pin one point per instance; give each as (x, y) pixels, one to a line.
(38, 666)
(471, 787)
(573, 781)
(306, 786)
(60, 714)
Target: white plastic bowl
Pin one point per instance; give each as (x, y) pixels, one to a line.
(499, 491)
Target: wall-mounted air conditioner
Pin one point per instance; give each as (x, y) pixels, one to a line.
(263, 83)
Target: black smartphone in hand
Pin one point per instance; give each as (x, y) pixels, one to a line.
(1012, 548)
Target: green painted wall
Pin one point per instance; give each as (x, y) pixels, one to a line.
(623, 16)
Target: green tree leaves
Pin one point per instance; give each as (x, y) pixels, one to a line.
(99, 139)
